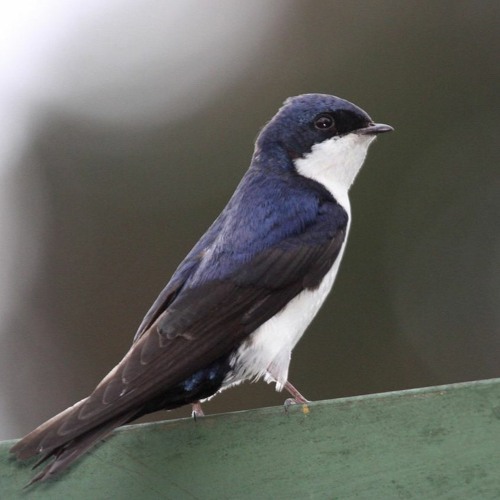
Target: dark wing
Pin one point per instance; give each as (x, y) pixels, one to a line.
(200, 325)
(181, 275)
(167, 295)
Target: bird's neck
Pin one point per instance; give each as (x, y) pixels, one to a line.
(335, 163)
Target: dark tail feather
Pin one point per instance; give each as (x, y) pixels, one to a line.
(67, 453)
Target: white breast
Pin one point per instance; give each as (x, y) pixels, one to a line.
(333, 163)
(268, 351)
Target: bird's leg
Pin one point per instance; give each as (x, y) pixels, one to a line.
(296, 399)
(297, 396)
(196, 410)
(273, 374)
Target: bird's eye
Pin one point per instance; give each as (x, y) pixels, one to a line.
(324, 122)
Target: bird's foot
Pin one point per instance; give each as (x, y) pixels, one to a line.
(196, 410)
(296, 399)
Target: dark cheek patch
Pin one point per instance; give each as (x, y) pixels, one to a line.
(348, 121)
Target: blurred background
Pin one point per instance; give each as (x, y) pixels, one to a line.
(126, 127)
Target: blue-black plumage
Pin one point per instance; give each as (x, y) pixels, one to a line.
(239, 302)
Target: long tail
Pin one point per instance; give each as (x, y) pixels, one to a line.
(45, 441)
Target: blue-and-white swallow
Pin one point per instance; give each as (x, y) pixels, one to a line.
(242, 298)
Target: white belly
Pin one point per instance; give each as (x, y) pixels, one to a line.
(334, 164)
(268, 350)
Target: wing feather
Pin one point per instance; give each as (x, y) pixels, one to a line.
(191, 327)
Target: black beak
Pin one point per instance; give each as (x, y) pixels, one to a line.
(374, 129)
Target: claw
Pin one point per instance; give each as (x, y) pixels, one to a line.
(288, 402)
(196, 410)
(296, 399)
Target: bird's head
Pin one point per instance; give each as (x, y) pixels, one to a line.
(323, 137)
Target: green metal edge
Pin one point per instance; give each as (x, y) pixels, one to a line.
(430, 443)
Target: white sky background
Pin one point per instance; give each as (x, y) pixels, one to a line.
(123, 62)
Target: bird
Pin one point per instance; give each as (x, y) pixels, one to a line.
(242, 298)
